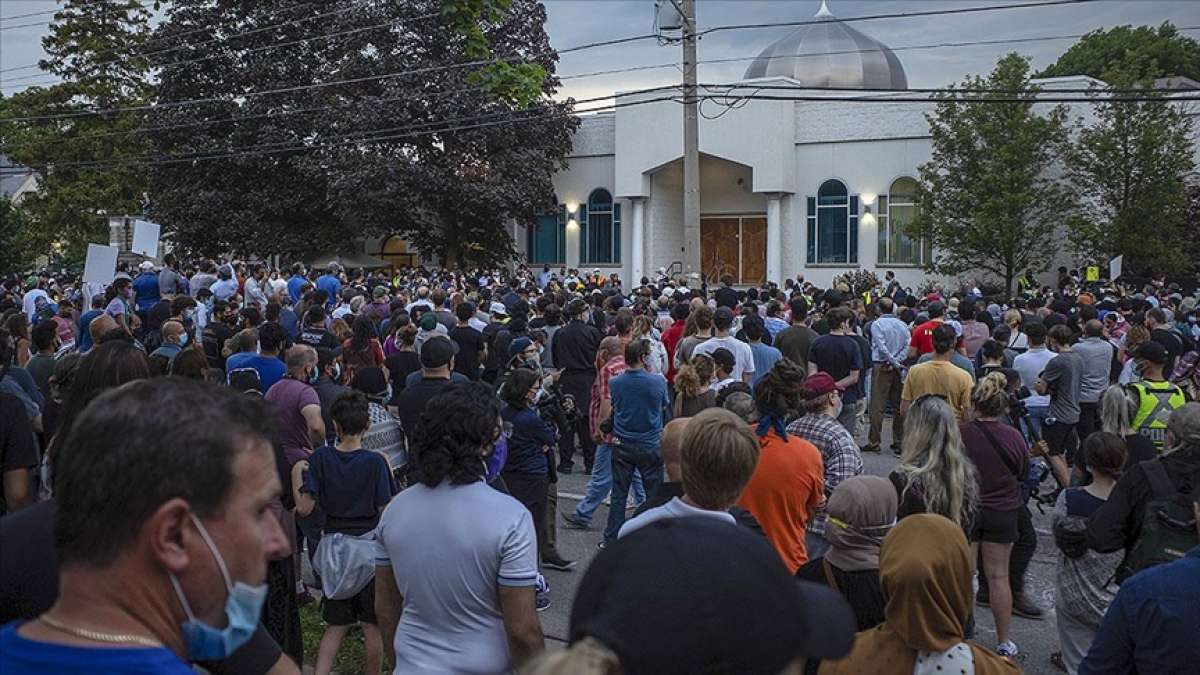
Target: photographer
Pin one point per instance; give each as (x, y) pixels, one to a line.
(530, 440)
(1061, 379)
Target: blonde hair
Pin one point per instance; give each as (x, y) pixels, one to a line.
(719, 454)
(1117, 410)
(693, 378)
(989, 398)
(1013, 318)
(934, 461)
(341, 329)
(642, 326)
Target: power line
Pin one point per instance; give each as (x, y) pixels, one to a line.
(55, 11)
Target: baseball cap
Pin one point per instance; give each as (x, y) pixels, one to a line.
(723, 314)
(146, 265)
(429, 321)
(819, 384)
(576, 307)
(518, 345)
(1151, 351)
(437, 351)
(380, 291)
(698, 567)
(498, 308)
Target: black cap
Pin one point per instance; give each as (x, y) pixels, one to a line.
(437, 351)
(576, 307)
(672, 575)
(1151, 351)
(370, 381)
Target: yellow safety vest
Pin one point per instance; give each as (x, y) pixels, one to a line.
(1156, 402)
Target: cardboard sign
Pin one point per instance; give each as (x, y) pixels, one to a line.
(145, 238)
(1114, 267)
(1092, 274)
(101, 264)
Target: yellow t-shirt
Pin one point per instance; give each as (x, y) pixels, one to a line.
(939, 377)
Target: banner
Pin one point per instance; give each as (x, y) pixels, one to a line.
(1114, 267)
(101, 264)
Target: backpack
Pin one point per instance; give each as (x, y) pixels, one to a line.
(1168, 525)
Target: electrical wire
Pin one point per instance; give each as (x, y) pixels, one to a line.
(55, 11)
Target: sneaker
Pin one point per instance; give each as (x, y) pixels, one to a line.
(542, 601)
(601, 545)
(1024, 606)
(558, 563)
(1007, 649)
(871, 448)
(896, 450)
(572, 521)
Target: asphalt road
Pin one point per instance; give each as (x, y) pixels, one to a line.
(1036, 639)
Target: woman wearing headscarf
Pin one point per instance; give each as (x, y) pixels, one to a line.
(861, 511)
(925, 573)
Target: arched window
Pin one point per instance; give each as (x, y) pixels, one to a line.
(833, 225)
(547, 238)
(896, 209)
(600, 241)
(397, 253)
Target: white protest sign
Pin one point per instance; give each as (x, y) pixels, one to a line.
(101, 264)
(145, 238)
(1114, 267)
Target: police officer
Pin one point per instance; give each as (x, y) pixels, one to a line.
(1157, 398)
(574, 351)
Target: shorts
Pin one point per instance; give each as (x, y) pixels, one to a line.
(995, 527)
(1061, 439)
(347, 612)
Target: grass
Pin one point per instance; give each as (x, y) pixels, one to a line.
(351, 656)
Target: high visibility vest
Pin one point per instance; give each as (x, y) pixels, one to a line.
(1156, 402)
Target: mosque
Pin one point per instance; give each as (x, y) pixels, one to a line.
(790, 187)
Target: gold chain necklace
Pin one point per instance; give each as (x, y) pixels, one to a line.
(111, 638)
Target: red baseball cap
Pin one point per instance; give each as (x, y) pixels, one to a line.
(819, 384)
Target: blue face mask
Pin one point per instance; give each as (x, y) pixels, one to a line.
(243, 607)
(183, 338)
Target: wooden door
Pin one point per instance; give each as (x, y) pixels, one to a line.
(754, 250)
(719, 248)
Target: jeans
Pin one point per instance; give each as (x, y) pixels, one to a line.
(601, 483)
(626, 458)
(848, 418)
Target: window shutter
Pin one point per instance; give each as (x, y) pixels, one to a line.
(812, 230)
(852, 231)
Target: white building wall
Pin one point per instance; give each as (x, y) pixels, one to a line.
(664, 218)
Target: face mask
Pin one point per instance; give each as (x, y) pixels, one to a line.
(313, 376)
(183, 338)
(337, 373)
(243, 607)
(188, 314)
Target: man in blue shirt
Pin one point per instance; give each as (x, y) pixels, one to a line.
(329, 283)
(83, 337)
(145, 287)
(296, 284)
(889, 347)
(765, 356)
(270, 368)
(1153, 626)
(639, 401)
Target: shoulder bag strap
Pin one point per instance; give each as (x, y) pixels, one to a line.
(828, 569)
(999, 450)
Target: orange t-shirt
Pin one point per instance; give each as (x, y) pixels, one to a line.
(787, 487)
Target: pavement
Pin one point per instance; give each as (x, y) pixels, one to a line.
(1036, 639)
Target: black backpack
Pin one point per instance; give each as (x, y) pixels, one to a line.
(1168, 525)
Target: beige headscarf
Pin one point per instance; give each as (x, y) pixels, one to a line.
(925, 571)
(862, 510)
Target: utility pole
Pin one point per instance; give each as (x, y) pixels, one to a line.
(691, 144)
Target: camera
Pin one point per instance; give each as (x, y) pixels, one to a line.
(557, 408)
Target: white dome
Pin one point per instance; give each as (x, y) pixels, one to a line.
(830, 54)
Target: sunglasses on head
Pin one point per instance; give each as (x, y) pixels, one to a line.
(927, 397)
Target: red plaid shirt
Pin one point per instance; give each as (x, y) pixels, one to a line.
(600, 392)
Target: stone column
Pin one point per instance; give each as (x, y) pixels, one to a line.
(775, 237)
(638, 241)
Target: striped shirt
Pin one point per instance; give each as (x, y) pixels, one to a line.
(840, 455)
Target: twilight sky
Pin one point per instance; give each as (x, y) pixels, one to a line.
(574, 22)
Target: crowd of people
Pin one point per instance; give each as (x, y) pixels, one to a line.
(176, 442)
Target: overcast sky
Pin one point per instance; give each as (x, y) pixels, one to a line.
(575, 22)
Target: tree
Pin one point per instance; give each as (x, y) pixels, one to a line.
(94, 46)
(443, 150)
(1129, 165)
(988, 199)
(1191, 230)
(1156, 53)
(12, 225)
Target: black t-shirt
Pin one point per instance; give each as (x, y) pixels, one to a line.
(470, 343)
(726, 297)
(399, 365)
(412, 401)
(317, 337)
(17, 448)
(1173, 343)
(213, 339)
(838, 355)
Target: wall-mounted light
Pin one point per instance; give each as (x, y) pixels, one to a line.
(868, 219)
(572, 208)
(868, 198)
(572, 224)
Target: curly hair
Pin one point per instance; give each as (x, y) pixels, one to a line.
(452, 433)
(778, 392)
(693, 378)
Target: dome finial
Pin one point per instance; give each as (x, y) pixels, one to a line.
(824, 12)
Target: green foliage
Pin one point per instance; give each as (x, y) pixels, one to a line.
(1129, 165)
(986, 200)
(91, 46)
(520, 83)
(859, 281)
(445, 163)
(12, 248)
(1144, 52)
